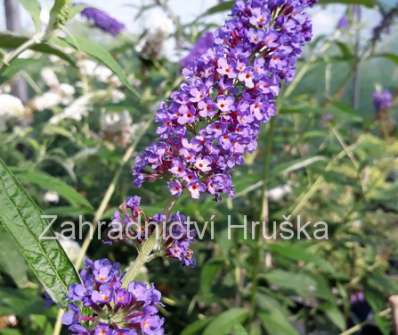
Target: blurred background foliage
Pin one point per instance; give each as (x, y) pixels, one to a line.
(90, 98)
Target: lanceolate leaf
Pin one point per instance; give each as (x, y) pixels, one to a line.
(222, 7)
(240, 330)
(367, 3)
(102, 55)
(20, 302)
(225, 322)
(54, 184)
(33, 7)
(390, 56)
(11, 261)
(11, 41)
(196, 327)
(18, 65)
(275, 318)
(22, 220)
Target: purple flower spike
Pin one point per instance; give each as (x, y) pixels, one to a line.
(132, 311)
(382, 100)
(232, 79)
(103, 20)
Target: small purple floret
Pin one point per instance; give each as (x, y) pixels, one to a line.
(101, 297)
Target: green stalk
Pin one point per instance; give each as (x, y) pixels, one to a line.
(145, 252)
(264, 215)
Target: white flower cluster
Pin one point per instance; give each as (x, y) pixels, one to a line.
(11, 108)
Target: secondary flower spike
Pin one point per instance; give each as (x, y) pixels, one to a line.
(103, 20)
(382, 100)
(100, 305)
(177, 232)
(214, 118)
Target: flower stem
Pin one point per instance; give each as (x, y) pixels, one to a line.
(264, 215)
(144, 254)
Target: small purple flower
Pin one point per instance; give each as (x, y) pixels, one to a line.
(103, 20)
(71, 316)
(122, 297)
(103, 271)
(76, 292)
(126, 308)
(151, 325)
(225, 104)
(203, 164)
(343, 22)
(175, 187)
(103, 295)
(144, 293)
(199, 49)
(225, 69)
(382, 100)
(103, 329)
(179, 239)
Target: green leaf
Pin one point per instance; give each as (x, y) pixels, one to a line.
(223, 323)
(345, 111)
(102, 55)
(196, 327)
(334, 315)
(9, 331)
(222, 7)
(377, 301)
(20, 302)
(299, 282)
(208, 276)
(300, 253)
(48, 182)
(11, 261)
(275, 317)
(239, 330)
(16, 66)
(12, 41)
(390, 56)
(22, 219)
(367, 3)
(34, 9)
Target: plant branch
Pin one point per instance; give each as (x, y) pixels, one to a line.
(9, 57)
(264, 214)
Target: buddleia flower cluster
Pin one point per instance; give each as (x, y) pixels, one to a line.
(214, 118)
(205, 129)
(100, 305)
(131, 224)
(102, 20)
